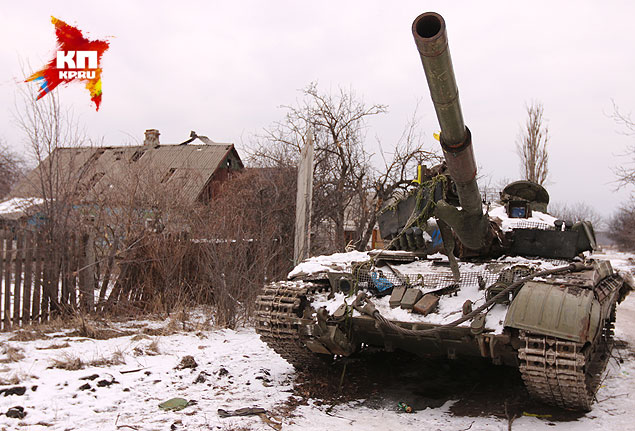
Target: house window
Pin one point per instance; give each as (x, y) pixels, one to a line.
(168, 175)
(118, 155)
(95, 179)
(137, 155)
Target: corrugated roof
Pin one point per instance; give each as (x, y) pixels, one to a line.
(186, 168)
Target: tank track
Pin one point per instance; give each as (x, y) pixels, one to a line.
(565, 373)
(279, 308)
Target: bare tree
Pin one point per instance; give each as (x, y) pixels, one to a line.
(12, 167)
(578, 211)
(348, 191)
(47, 127)
(531, 146)
(626, 172)
(622, 227)
(622, 224)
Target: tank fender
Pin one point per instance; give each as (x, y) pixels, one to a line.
(567, 312)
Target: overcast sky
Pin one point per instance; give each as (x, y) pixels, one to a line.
(224, 68)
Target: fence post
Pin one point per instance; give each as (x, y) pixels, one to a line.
(87, 273)
(64, 270)
(74, 263)
(37, 276)
(47, 262)
(19, 256)
(5, 288)
(8, 257)
(28, 276)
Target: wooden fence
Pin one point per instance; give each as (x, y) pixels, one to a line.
(42, 278)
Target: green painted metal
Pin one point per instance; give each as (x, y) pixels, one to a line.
(567, 312)
(432, 43)
(469, 224)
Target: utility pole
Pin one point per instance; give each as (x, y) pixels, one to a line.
(301, 244)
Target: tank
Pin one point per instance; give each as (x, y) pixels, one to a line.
(507, 282)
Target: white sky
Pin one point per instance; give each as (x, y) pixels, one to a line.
(224, 68)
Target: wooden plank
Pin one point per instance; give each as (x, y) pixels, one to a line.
(47, 258)
(65, 270)
(81, 272)
(37, 277)
(55, 289)
(301, 244)
(28, 276)
(5, 290)
(74, 267)
(19, 257)
(108, 271)
(8, 256)
(90, 273)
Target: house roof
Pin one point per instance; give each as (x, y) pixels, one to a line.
(186, 168)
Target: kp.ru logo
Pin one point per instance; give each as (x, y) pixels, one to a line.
(77, 59)
(65, 61)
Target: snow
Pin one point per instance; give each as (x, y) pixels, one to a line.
(450, 305)
(507, 223)
(18, 206)
(257, 377)
(334, 262)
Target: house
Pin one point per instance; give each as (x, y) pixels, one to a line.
(193, 169)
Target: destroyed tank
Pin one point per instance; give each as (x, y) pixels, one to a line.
(505, 282)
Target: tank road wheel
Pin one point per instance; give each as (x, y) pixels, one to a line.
(565, 373)
(278, 309)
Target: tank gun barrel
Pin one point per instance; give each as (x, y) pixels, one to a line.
(432, 43)
(431, 39)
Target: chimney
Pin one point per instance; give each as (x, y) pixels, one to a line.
(152, 138)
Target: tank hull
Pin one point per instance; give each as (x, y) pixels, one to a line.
(560, 364)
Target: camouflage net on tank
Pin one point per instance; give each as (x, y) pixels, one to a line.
(424, 208)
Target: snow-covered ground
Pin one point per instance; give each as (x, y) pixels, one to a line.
(125, 378)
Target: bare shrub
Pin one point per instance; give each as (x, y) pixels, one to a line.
(622, 227)
(249, 240)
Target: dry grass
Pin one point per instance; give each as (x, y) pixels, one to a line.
(117, 358)
(150, 349)
(67, 361)
(169, 329)
(24, 335)
(12, 380)
(13, 354)
(153, 347)
(54, 346)
(71, 362)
